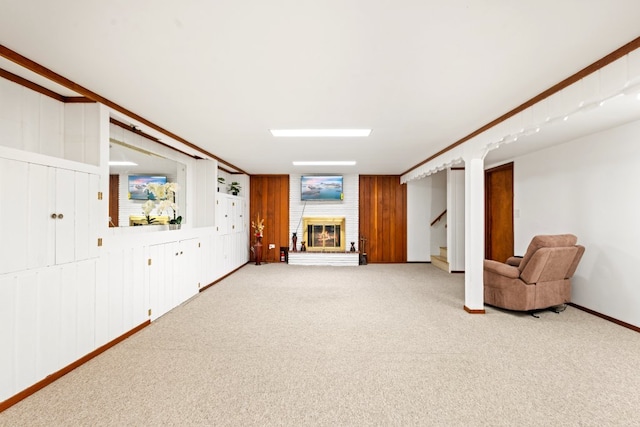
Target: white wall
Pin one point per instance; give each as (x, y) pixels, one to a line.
(588, 187)
(31, 121)
(418, 219)
(438, 204)
(81, 132)
(37, 123)
(426, 199)
(349, 208)
(456, 219)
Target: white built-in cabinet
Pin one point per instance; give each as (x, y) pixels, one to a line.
(48, 263)
(232, 245)
(230, 214)
(50, 225)
(62, 295)
(47, 216)
(174, 273)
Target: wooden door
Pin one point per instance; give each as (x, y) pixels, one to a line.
(499, 212)
(383, 218)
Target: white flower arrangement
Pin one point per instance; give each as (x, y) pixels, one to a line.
(164, 206)
(163, 191)
(147, 207)
(166, 193)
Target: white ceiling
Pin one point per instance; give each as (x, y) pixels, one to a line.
(421, 74)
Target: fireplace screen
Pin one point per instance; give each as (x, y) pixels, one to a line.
(324, 236)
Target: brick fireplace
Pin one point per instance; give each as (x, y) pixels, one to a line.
(341, 214)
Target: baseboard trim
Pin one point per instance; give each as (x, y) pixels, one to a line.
(472, 311)
(222, 278)
(605, 317)
(62, 372)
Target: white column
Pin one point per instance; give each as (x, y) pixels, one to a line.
(474, 234)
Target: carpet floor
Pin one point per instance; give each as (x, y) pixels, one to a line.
(282, 345)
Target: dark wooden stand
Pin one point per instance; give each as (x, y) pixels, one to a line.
(257, 248)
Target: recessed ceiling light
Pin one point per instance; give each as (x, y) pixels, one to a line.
(325, 163)
(122, 164)
(319, 132)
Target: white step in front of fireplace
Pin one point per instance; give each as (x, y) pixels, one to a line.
(324, 258)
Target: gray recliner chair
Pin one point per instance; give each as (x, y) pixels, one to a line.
(539, 280)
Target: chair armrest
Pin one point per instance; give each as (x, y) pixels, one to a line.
(514, 260)
(501, 269)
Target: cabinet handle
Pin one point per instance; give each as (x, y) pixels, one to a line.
(60, 216)
(54, 216)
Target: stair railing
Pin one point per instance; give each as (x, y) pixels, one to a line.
(438, 218)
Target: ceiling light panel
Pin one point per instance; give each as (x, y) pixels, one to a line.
(325, 163)
(314, 133)
(111, 163)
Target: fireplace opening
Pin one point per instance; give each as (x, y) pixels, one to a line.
(324, 234)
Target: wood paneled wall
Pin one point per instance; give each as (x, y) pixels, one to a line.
(270, 198)
(383, 218)
(383, 215)
(114, 201)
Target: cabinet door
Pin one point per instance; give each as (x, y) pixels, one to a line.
(187, 270)
(41, 234)
(233, 215)
(218, 257)
(65, 236)
(76, 200)
(160, 278)
(173, 275)
(49, 215)
(14, 193)
(86, 213)
(222, 214)
(242, 218)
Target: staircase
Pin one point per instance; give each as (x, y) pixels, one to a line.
(440, 261)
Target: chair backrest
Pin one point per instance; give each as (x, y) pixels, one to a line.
(576, 260)
(546, 241)
(550, 257)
